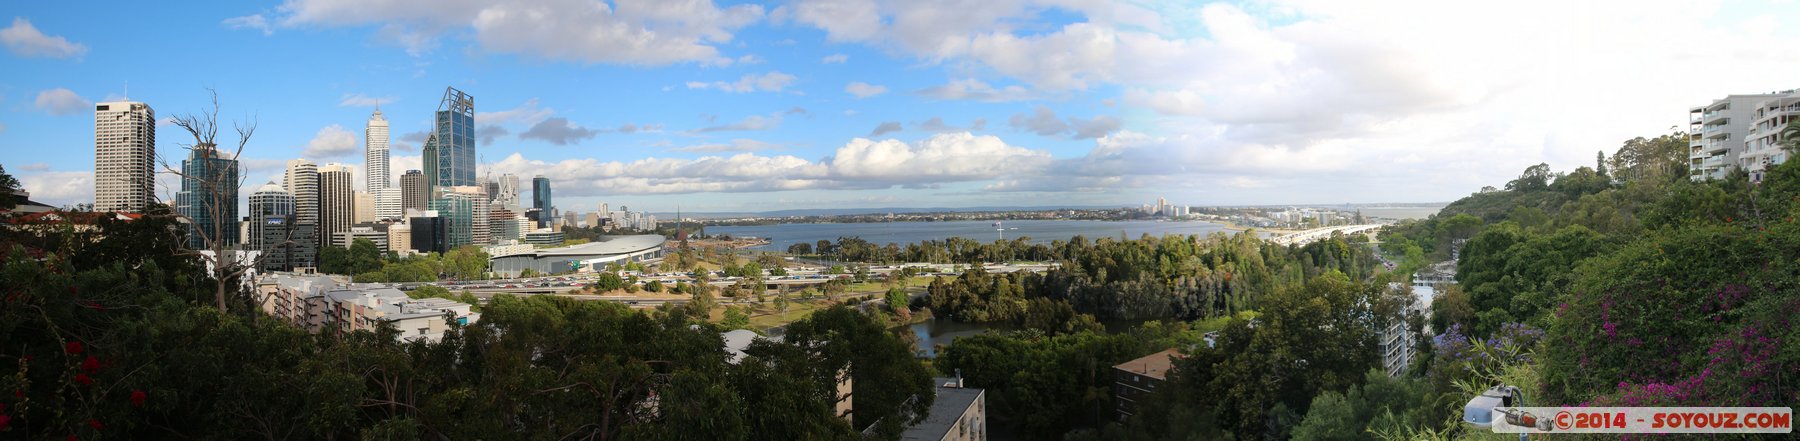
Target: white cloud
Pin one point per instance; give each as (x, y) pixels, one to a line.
(25, 40)
(632, 32)
(750, 123)
(972, 89)
(768, 82)
(361, 100)
(736, 145)
(255, 22)
(59, 188)
(864, 90)
(859, 164)
(330, 141)
(526, 114)
(834, 59)
(60, 101)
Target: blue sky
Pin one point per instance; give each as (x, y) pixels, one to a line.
(742, 106)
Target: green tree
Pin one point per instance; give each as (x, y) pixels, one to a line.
(608, 282)
(735, 318)
(466, 262)
(897, 299)
(890, 382)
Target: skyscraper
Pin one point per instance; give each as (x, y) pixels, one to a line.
(388, 203)
(456, 206)
(209, 197)
(414, 191)
(124, 156)
(336, 201)
(540, 199)
(450, 150)
(508, 197)
(302, 181)
(269, 201)
(375, 152)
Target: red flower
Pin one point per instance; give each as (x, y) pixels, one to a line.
(83, 379)
(94, 423)
(5, 420)
(138, 397)
(91, 364)
(73, 347)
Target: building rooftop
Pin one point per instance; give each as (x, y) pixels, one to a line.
(1154, 365)
(610, 245)
(946, 410)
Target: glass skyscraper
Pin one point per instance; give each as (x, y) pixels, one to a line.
(540, 199)
(450, 150)
(208, 197)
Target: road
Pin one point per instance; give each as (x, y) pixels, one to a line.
(1310, 236)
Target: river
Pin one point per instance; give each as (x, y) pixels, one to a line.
(903, 233)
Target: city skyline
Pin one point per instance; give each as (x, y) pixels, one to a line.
(796, 106)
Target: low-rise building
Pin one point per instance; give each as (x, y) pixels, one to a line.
(1135, 380)
(959, 413)
(321, 303)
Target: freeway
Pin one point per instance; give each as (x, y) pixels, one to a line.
(1309, 236)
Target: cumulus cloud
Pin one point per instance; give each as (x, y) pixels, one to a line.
(834, 59)
(886, 127)
(330, 141)
(361, 100)
(58, 188)
(972, 89)
(864, 90)
(558, 131)
(631, 32)
(25, 40)
(773, 81)
(255, 22)
(859, 164)
(60, 101)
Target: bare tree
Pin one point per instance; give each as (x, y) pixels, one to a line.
(228, 269)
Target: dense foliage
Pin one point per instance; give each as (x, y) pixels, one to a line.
(116, 337)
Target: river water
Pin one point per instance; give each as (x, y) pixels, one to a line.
(903, 233)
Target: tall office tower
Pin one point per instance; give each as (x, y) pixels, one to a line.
(302, 181)
(414, 191)
(209, 197)
(508, 197)
(287, 244)
(124, 156)
(540, 199)
(269, 201)
(375, 152)
(450, 150)
(604, 212)
(336, 201)
(456, 206)
(362, 207)
(387, 203)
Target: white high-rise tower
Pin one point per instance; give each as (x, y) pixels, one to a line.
(302, 181)
(375, 151)
(124, 156)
